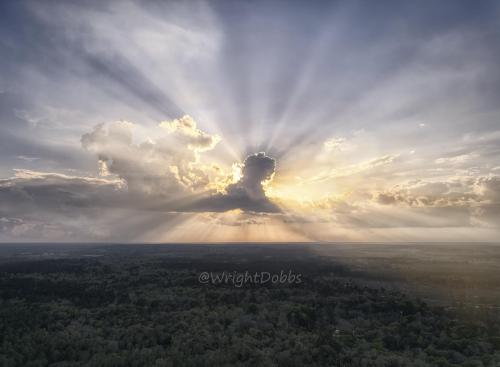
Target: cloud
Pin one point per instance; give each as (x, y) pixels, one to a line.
(420, 193)
(488, 188)
(27, 159)
(28, 190)
(457, 159)
(143, 167)
(354, 169)
(166, 166)
(149, 179)
(52, 206)
(237, 218)
(479, 197)
(138, 181)
(364, 215)
(334, 144)
(41, 206)
(45, 206)
(185, 128)
(459, 201)
(248, 193)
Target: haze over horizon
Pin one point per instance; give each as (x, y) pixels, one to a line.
(261, 121)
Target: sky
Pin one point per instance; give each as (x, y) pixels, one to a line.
(222, 121)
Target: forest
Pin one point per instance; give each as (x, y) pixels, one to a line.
(142, 307)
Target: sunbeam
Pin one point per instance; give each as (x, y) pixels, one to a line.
(219, 121)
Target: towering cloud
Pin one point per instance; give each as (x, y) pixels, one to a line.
(248, 193)
(257, 169)
(167, 166)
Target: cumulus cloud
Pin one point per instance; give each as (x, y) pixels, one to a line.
(248, 193)
(185, 128)
(167, 166)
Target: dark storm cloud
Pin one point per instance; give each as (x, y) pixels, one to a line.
(248, 193)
